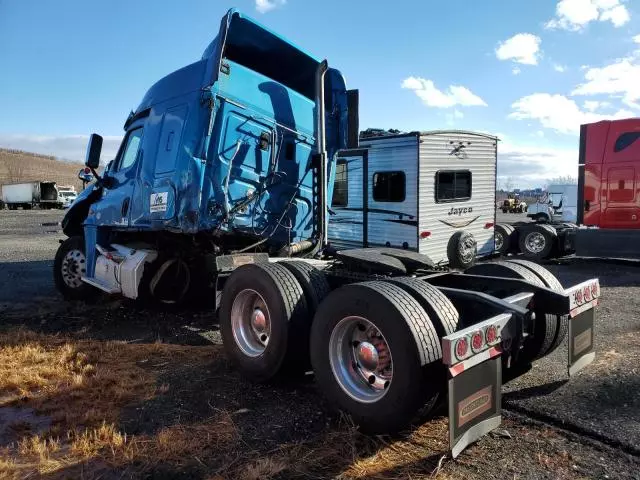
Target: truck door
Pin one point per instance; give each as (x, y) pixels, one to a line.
(620, 202)
(348, 215)
(115, 205)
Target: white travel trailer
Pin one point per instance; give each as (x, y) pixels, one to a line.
(430, 192)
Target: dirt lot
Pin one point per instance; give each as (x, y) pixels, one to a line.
(112, 390)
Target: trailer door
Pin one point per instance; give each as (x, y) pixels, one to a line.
(348, 214)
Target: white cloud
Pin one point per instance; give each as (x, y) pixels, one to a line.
(575, 15)
(618, 15)
(559, 68)
(516, 70)
(521, 48)
(636, 39)
(264, 6)
(431, 96)
(593, 105)
(68, 147)
(618, 78)
(539, 134)
(558, 112)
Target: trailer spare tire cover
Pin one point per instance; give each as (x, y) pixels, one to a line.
(462, 250)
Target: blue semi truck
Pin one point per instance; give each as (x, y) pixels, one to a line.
(222, 184)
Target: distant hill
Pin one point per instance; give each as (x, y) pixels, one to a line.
(17, 166)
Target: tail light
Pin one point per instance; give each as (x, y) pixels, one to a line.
(424, 235)
(477, 341)
(488, 225)
(491, 334)
(462, 348)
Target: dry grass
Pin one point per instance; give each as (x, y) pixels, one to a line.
(17, 166)
(82, 387)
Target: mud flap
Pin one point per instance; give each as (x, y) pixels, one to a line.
(474, 403)
(581, 351)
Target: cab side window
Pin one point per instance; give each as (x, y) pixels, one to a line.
(130, 150)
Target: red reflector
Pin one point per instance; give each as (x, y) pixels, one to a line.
(477, 341)
(461, 348)
(425, 234)
(594, 290)
(491, 334)
(586, 293)
(488, 225)
(87, 170)
(579, 296)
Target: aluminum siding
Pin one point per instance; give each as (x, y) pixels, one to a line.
(480, 158)
(345, 227)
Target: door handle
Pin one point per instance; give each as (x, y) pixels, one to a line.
(125, 207)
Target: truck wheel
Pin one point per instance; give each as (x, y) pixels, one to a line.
(462, 250)
(261, 303)
(441, 311)
(69, 266)
(545, 327)
(502, 237)
(536, 242)
(505, 210)
(375, 354)
(553, 283)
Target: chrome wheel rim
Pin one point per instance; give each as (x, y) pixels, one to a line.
(250, 322)
(467, 249)
(74, 267)
(360, 359)
(535, 242)
(499, 241)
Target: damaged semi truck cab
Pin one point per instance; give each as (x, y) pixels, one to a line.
(222, 181)
(224, 152)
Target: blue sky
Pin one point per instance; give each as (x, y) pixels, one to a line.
(529, 72)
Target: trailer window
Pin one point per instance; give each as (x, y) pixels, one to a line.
(341, 185)
(453, 186)
(389, 186)
(625, 140)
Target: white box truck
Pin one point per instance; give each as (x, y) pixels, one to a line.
(558, 205)
(31, 194)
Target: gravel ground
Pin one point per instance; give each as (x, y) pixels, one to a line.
(587, 427)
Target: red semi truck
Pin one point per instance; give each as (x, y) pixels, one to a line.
(609, 189)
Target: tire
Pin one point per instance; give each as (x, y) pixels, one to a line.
(443, 314)
(284, 309)
(505, 210)
(462, 250)
(409, 337)
(553, 283)
(545, 327)
(313, 282)
(315, 287)
(536, 242)
(69, 265)
(503, 238)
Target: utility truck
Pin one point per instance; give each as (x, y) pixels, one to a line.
(223, 179)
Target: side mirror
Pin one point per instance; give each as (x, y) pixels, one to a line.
(85, 175)
(93, 151)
